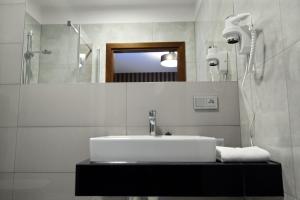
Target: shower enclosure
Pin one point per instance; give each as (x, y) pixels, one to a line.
(56, 53)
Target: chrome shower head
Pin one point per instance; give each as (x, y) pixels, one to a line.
(69, 24)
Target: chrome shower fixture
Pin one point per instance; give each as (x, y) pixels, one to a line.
(69, 24)
(28, 55)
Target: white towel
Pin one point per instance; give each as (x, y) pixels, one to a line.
(246, 154)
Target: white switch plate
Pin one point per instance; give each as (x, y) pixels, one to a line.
(206, 103)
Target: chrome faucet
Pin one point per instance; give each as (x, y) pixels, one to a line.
(152, 123)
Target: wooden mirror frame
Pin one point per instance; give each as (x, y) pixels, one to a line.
(112, 48)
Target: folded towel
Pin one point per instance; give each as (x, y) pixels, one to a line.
(246, 154)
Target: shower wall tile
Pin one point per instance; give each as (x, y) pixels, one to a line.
(267, 21)
(62, 42)
(73, 105)
(292, 59)
(9, 99)
(7, 149)
(57, 74)
(231, 134)
(12, 23)
(246, 114)
(115, 33)
(272, 126)
(293, 97)
(6, 186)
(215, 10)
(290, 17)
(174, 103)
(10, 63)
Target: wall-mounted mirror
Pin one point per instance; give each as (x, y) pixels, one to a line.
(66, 41)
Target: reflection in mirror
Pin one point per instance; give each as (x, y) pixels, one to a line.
(143, 67)
(57, 50)
(210, 43)
(145, 62)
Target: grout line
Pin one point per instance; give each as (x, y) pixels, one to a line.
(14, 3)
(58, 126)
(126, 126)
(11, 43)
(281, 24)
(10, 84)
(16, 143)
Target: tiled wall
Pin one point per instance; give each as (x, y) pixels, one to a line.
(12, 13)
(61, 66)
(275, 99)
(208, 31)
(50, 134)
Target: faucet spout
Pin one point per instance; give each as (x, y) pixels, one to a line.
(152, 123)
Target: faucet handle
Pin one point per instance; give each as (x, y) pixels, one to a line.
(152, 113)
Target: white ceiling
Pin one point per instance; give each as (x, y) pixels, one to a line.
(112, 11)
(140, 62)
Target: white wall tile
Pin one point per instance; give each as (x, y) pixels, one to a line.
(12, 23)
(215, 10)
(291, 57)
(44, 186)
(56, 149)
(231, 134)
(6, 186)
(293, 97)
(174, 103)
(290, 18)
(271, 126)
(73, 105)
(10, 63)
(265, 20)
(9, 99)
(7, 149)
(191, 72)
(11, 1)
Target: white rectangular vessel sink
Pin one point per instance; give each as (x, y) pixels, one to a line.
(153, 149)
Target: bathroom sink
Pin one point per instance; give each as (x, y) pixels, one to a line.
(153, 149)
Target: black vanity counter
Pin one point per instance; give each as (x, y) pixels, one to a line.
(178, 179)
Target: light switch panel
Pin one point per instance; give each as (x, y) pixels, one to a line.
(206, 102)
